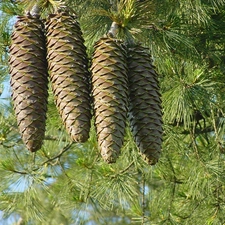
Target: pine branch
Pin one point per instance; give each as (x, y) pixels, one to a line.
(143, 200)
(173, 189)
(65, 149)
(208, 129)
(122, 171)
(23, 172)
(54, 138)
(19, 172)
(127, 168)
(194, 209)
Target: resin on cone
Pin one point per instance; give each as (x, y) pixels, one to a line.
(29, 79)
(145, 110)
(110, 94)
(68, 67)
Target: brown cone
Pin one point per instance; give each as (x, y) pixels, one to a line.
(110, 93)
(29, 79)
(68, 66)
(145, 111)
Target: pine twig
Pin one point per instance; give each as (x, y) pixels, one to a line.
(20, 172)
(122, 171)
(54, 138)
(194, 210)
(127, 168)
(173, 190)
(143, 203)
(66, 148)
(200, 131)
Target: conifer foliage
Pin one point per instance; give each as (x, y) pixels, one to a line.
(29, 79)
(186, 39)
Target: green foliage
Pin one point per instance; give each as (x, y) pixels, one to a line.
(68, 183)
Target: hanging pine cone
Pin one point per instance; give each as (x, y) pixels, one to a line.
(110, 93)
(145, 104)
(29, 79)
(68, 66)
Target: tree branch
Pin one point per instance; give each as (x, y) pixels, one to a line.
(127, 168)
(199, 131)
(66, 148)
(54, 138)
(20, 172)
(143, 203)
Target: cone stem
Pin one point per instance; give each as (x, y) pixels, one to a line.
(113, 29)
(35, 10)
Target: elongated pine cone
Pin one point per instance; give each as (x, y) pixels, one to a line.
(68, 66)
(145, 110)
(110, 96)
(29, 79)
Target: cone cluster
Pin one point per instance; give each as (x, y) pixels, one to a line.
(122, 83)
(56, 49)
(125, 86)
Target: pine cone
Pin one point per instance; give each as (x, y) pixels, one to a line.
(29, 79)
(68, 66)
(145, 111)
(110, 94)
